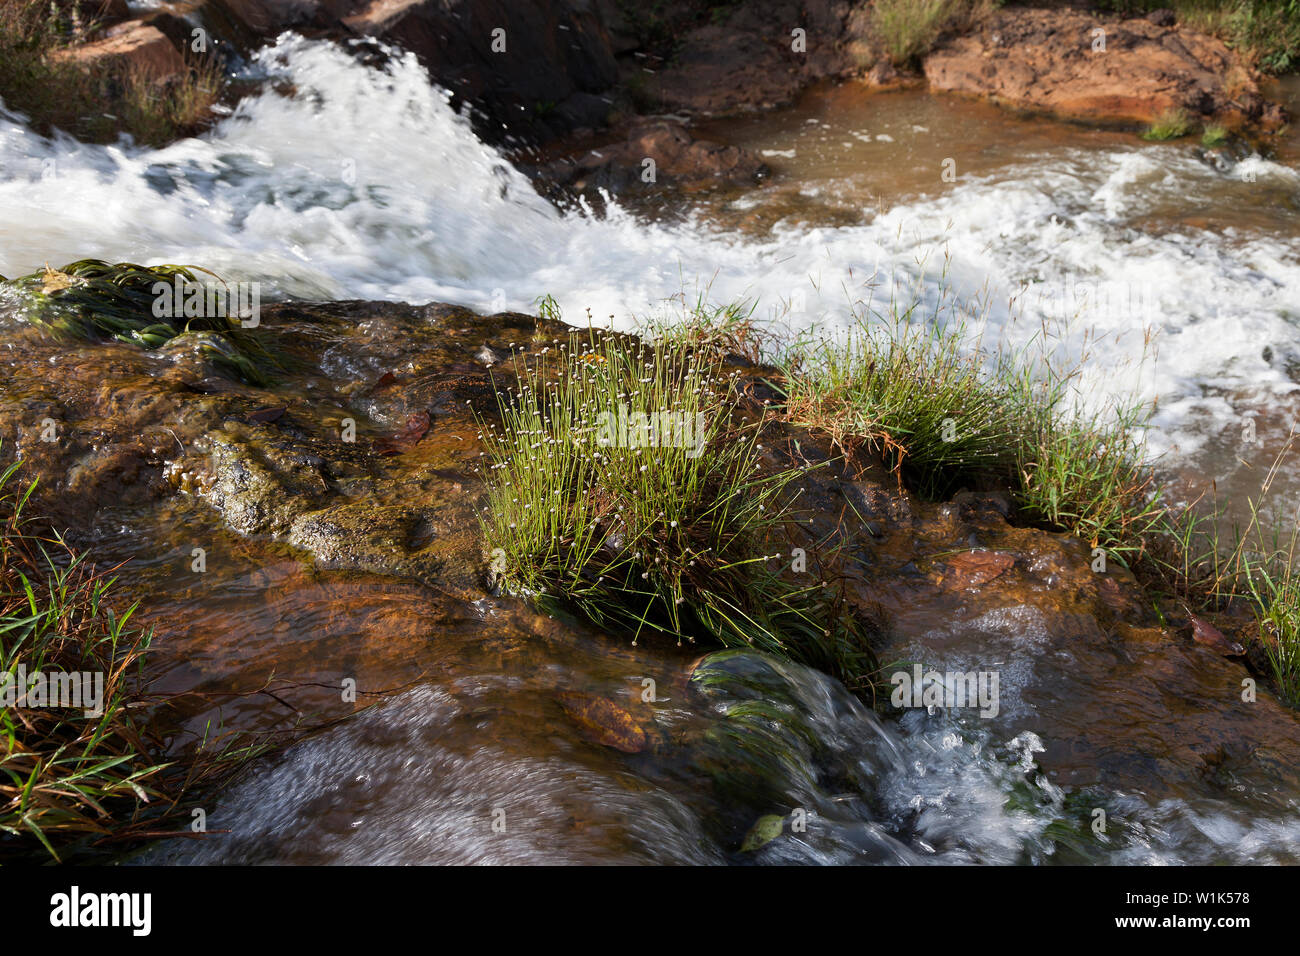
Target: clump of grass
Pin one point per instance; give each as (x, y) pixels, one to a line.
(91, 299)
(1091, 477)
(73, 787)
(98, 103)
(64, 776)
(911, 393)
(1215, 134)
(626, 485)
(944, 414)
(1276, 590)
(909, 28)
(1256, 567)
(718, 329)
(1171, 124)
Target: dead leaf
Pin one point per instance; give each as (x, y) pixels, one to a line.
(268, 414)
(406, 437)
(605, 722)
(1203, 632)
(52, 280)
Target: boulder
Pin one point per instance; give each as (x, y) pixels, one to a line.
(678, 158)
(1055, 61)
(522, 65)
(131, 46)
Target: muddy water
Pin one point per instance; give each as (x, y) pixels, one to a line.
(481, 745)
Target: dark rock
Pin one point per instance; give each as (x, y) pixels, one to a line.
(515, 62)
(657, 153)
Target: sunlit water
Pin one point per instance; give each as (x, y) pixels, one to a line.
(1169, 274)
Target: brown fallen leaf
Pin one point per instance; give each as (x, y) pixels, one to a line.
(406, 437)
(1203, 632)
(268, 414)
(971, 569)
(388, 378)
(604, 721)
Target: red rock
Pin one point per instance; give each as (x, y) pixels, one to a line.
(1045, 60)
(972, 569)
(679, 159)
(131, 46)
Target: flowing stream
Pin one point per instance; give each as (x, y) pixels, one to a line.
(1169, 272)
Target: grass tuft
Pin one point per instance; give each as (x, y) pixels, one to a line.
(626, 483)
(1171, 124)
(64, 776)
(1215, 134)
(910, 28)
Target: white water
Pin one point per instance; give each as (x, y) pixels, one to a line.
(366, 184)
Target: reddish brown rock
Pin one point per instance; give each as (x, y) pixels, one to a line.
(752, 56)
(131, 46)
(1052, 60)
(1203, 632)
(538, 64)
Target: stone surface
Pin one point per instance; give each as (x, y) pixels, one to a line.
(131, 46)
(1046, 60)
(676, 158)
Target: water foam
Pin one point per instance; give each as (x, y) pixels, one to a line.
(363, 182)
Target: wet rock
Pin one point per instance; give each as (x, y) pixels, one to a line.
(973, 569)
(883, 74)
(1046, 60)
(655, 154)
(752, 58)
(547, 54)
(1205, 633)
(1084, 663)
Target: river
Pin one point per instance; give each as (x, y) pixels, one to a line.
(1167, 272)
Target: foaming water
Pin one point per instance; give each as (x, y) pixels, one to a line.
(363, 182)
(405, 783)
